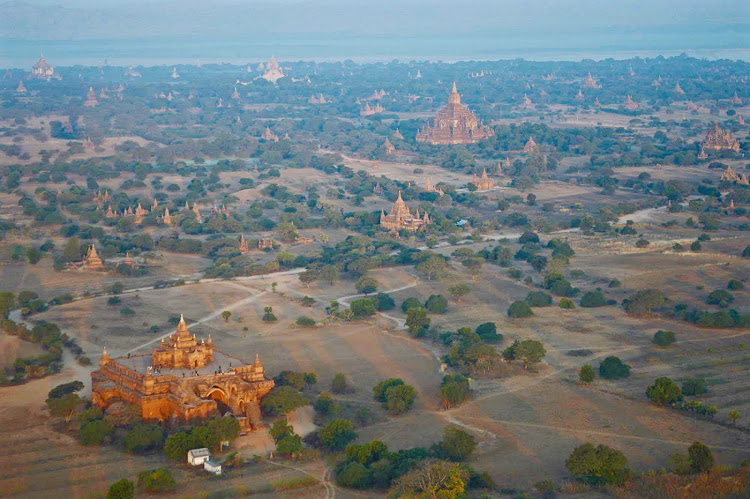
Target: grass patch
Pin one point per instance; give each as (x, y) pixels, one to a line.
(294, 483)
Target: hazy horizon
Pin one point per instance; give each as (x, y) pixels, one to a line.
(167, 32)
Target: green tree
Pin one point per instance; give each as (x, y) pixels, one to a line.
(586, 373)
(337, 434)
(700, 457)
(93, 432)
(459, 290)
(734, 415)
(432, 266)
(143, 437)
(417, 321)
(289, 446)
(593, 299)
(65, 406)
(6, 304)
(613, 368)
(363, 308)
(437, 304)
(454, 390)
(65, 389)
(457, 444)
(538, 299)
(519, 309)
(643, 301)
(280, 429)
(411, 302)
(282, 400)
(354, 475)
(599, 465)
(339, 383)
(226, 314)
(268, 315)
(399, 399)
(121, 489)
(432, 479)
(366, 285)
(158, 481)
(378, 391)
(664, 338)
(488, 332)
(383, 302)
(330, 274)
(694, 386)
(308, 277)
(664, 391)
(72, 250)
(530, 352)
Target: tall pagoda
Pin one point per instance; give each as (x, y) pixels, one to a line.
(43, 70)
(719, 139)
(400, 217)
(454, 124)
(91, 98)
(21, 89)
(273, 71)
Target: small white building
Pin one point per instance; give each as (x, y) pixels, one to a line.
(212, 467)
(197, 457)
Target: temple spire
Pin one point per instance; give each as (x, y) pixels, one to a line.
(454, 98)
(182, 330)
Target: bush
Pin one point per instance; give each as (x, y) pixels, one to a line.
(664, 338)
(337, 434)
(282, 400)
(383, 301)
(354, 475)
(694, 386)
(378, 391)
(593, 299)
(488, 333)
(600, 465)
(615, 283)
(734, 285)
(700, 457)
(304, 321)
(367, 285)
(695, 246)
(339, 384)
(399, 399)
(566, 303)
(363, 307)
(457, 445)
(538, 299)
(613, 368)
(410, 302)
(664, 391)
(586, 373)
(143, 438)
(94, 432)
(519, 310)
(417, 321)
(437, 304)
(720, 297)
(268, 315)
(158, 481)
(113, 300)
(121, 489)
(454, 390)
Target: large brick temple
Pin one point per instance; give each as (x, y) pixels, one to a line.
(183, 380)
(454, 124)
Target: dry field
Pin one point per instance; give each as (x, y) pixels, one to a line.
(527, 423)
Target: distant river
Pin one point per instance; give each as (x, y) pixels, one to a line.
(572, 47)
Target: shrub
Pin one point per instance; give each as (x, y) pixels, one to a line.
(113, 300)
(615, 283)
(734, 285)
(304, 321)
(586, 373)
(337, 434)
(399, 399)
(354, 475)
(282, 400)
(268, 315)
(593, 299)
(664, 391)
(127, 311)
(641, 243)
(417, 321)
(157, 481)
(720, 297)
(457, 445)
(488, 333)
(538, 299)
(363, 307)
(437, 304)
(378, 391)
(566, 303)
(700, 457)
(694, 386)
(664, 338)
(383, 301)
(94, 432)
(339, 383)
(121, 489)
(454, 390)
(519, 309)
(528, 237)
(367, 285)
(613, 368)
(599, 465)
(695, 246)
(410, 302)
